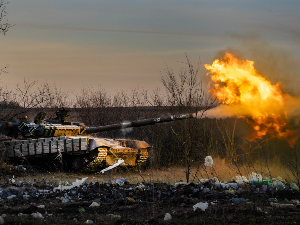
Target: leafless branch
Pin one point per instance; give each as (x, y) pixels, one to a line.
(4, 26)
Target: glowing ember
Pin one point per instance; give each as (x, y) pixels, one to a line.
(244, 93)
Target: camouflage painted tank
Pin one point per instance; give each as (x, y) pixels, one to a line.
(47, 138)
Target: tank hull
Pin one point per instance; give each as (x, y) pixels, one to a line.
(106, 151)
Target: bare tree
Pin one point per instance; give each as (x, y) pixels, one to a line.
(24, 98)
(4, 25)
(93, 106)
(184, 93)
(6, 98)
(184, 89)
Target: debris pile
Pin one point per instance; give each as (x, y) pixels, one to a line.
(80, 200)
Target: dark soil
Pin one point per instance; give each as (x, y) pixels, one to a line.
(146, 204)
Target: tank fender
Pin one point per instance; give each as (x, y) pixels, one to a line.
(97, 142)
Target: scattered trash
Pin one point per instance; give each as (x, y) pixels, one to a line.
(44, 191)
(266, 181)
(230, 192)
(278, 184)
(130, 199)
(168, 216)
(205, 190)
(12, 180)
(94, 204)
(272, 200)
(73, 192)
(258, 209)
(1, 220)
(65, 200)
(222, 185)
(201, 206)
(26, 197)
(180, 183)
(294, 186)
(264, 188)
(235, 193)
(234, 186)
(238, 200)
(241, 180)
(208, 161)
(98, 200)
(77, 183)
(278, 205)
(120, 181)
(65, 183)
(37, 215)
(81, 210)
(11, 196)
(254, 177)
(120, 161)
(201, 181)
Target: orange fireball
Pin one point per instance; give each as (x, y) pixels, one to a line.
(246, 94)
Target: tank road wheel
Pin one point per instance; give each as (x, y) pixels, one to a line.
(77, 164)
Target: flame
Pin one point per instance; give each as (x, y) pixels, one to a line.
(244, 93)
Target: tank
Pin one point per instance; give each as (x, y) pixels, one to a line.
(50, 138)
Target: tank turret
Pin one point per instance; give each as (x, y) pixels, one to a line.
(59, 126)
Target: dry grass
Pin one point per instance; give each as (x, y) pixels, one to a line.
(221, 170)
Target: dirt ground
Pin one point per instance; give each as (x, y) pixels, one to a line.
(145, 198)
(222, 170)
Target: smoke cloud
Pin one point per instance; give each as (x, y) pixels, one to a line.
(270, 61)
(253, 89)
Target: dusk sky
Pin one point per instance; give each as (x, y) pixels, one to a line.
(127, 44)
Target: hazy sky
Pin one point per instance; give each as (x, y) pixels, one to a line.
(127, 44)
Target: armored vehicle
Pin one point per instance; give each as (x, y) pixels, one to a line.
(49, 138)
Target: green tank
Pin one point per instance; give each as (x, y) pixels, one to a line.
(48, 138)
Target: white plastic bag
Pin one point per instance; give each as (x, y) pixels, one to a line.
(168, 216)
(201, 205)
(208, 161)
(241, 180)
(37, 215)
(254, 177)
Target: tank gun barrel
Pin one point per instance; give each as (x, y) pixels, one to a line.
(138, 123)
